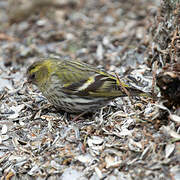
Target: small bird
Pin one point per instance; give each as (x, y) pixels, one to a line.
(76, 87)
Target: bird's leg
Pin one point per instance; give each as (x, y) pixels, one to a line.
(78, 116)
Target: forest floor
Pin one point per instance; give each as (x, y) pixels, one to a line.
(128, 139)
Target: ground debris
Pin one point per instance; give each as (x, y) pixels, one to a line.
(135, 138)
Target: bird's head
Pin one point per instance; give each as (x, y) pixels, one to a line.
(38, 73)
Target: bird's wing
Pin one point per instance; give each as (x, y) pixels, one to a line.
(80, 79)
(83, 80)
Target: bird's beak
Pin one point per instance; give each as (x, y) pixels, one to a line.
(26, 83)
(29, 80)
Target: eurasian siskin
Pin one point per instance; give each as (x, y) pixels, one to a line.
(75, 86)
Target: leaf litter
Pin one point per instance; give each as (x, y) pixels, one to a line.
(128, 139)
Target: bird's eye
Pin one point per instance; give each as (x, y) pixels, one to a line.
(33, 76)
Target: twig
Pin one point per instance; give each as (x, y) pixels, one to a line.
(154, 78)
(123, 88)
(172, 44)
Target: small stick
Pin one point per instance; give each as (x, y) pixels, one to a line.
(172, 44)
(123, 88)
(154, 78)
